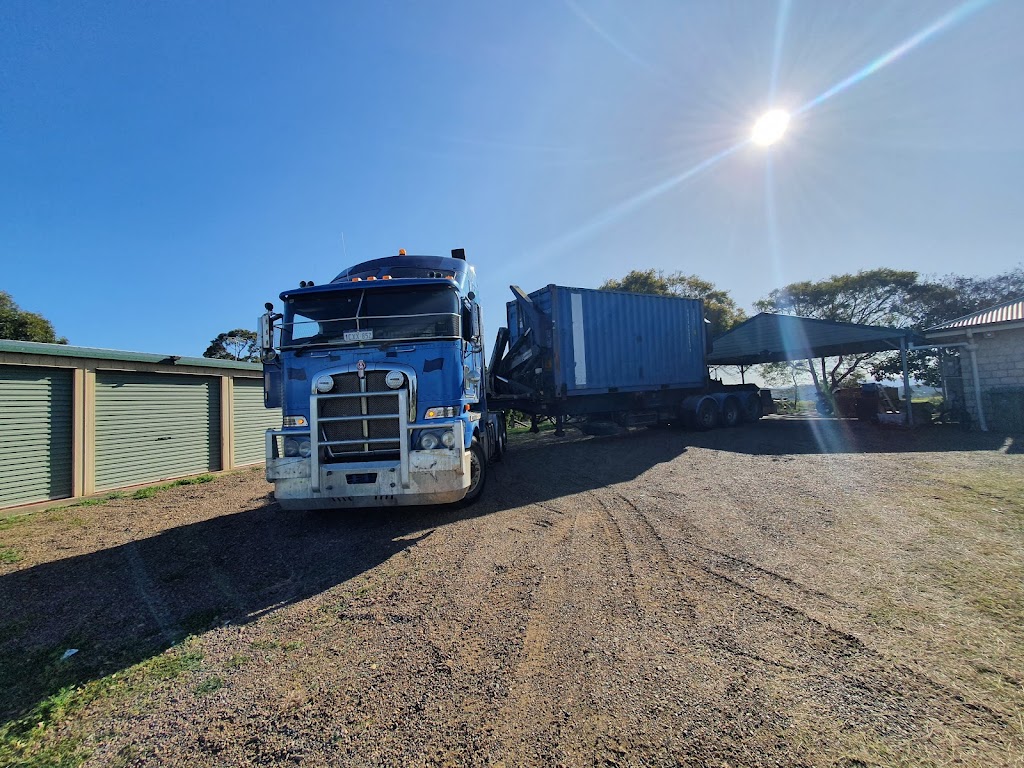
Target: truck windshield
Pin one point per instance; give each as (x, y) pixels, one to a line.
(349, 317)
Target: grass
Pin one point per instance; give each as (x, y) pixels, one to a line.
(142, 493)
(6, 523)
(9, 555)
(209, 685)
(32, 741)
(153, 490)
(544, 426)
(960, 595)
(93, 502)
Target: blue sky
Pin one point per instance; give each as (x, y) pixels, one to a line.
(165, 168)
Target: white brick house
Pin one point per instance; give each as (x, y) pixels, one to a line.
(991, 346)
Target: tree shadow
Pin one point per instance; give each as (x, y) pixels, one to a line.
(121, 605)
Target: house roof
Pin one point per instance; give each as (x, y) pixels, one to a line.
(773, 338)
(1007, 312)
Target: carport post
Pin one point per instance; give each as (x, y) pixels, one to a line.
(908, 419)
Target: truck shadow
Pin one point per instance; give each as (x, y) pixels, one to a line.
(123, 604)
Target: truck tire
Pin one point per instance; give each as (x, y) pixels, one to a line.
(500, 442)
(731, 414)
(705, 417)
(477, 473)
(753, 409)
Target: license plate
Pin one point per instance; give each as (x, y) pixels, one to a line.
(369, 477)
(366, 335)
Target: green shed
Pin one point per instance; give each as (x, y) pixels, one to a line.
(155, 426)
(251, 421)
(35, 434)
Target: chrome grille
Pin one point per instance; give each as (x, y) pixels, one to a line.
(370, 429)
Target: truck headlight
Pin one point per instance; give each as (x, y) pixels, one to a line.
(440, 412)
(448, 438)
(305, 449)
(429, 441)
(295, 421)
(291, 447)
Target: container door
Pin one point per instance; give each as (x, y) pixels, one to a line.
(154, 426)
(35, 434)
(251, 421)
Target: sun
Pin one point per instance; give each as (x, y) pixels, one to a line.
(770, 127)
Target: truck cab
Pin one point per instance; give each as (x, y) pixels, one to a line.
(380, 376)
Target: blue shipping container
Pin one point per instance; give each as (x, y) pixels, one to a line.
(611, 341)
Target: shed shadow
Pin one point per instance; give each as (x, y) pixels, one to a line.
(785, 435)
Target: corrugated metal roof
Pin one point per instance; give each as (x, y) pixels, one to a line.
(93, 353)
(772, 338)
(1011, 311)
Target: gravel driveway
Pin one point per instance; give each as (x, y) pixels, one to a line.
(783, 594)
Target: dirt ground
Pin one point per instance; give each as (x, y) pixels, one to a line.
(791, 593)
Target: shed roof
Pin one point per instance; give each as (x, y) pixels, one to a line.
(772, 338)
(95, 353)
(1007, 312)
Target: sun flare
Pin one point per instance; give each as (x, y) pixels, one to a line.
(770, 127)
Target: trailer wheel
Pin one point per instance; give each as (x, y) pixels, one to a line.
(706, 415)
(477, 473)
(752, 408)
(731, 412)
(500, 442)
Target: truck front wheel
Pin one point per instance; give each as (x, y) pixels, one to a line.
(477, 473)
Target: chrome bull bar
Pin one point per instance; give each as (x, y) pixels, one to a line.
(403, 430)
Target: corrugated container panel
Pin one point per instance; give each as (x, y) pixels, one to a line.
(154, 426)
(35, 434)
(251, 421)
(625, 341)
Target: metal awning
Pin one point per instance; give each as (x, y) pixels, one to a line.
(773, 338)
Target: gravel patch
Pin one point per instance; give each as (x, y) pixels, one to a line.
(791, 593)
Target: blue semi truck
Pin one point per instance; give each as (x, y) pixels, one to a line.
(380, 376)
(388, 400)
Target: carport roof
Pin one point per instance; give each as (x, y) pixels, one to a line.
(773, 338)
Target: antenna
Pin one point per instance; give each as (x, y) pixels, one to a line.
(344, 249)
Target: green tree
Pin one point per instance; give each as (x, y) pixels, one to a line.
(719, 307)
(17, 324)
(238, 344)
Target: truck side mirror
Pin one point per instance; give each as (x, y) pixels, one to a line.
(470, 327)
(265, 337)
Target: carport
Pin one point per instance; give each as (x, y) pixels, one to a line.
(774, 338)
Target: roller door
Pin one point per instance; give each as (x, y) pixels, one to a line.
(35, 434)
(252, 420)
(155, 426)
